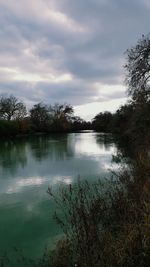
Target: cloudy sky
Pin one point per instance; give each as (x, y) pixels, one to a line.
(69, 51)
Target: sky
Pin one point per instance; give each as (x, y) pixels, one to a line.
(69, 51)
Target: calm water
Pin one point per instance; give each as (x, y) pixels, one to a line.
(28, 167)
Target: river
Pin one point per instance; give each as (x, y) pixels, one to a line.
(28, 166)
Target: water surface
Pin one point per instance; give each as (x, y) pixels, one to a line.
(28, 167)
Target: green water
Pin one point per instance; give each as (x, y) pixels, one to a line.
(28, 167)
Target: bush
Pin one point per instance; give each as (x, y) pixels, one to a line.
(9, 128)
(107, 227)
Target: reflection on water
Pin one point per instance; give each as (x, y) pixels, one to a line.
(93, 145)
(28, 167)
(12, 154)
(21, 183)
(56, 148)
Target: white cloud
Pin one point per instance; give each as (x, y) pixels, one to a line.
(88, 111)
(29, 77)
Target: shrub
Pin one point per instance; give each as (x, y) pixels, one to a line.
(107, 227)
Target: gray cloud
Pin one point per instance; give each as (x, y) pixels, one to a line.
(68, 51)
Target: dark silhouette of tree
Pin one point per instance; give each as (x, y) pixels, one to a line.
(122, 119)
(11, 108)
(61, 115)
(60, 111)
(102, 122)
(138, 70)
(78, 123)
(51, 118)
(40, 117)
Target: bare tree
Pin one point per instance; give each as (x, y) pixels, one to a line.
(40, 116)
(11, 108)
(60, 111)
(138, 70)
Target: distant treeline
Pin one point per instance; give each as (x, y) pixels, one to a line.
(131, 121)
(15, 120)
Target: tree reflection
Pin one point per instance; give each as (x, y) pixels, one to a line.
(105, 140)
(55, 147)
(129, 152)
(13, 154)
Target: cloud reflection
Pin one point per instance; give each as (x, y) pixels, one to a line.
(62, 179)
(21, 183)
(90, 146)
